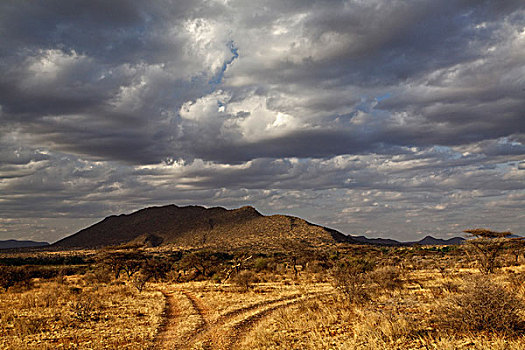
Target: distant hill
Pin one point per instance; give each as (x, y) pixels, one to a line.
(429, 240)
(376, 241)
(196, 226)
(12, 243)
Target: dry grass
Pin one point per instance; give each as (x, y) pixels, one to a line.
(74, 315)
(401, 318)
(482, 305)
(425, 302)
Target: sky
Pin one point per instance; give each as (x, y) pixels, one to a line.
(383, 118)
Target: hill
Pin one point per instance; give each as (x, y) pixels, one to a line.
(429, 240)
(196, 226)
(377, 241)
(13, 244)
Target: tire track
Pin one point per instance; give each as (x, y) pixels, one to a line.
(202, 313)
(217, 334)
(210, 338)
(214, 338)
(240, 329)
(230, 314)
(166, 336)
(172, 334)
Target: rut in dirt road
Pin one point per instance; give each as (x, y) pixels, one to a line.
(182, 309)
(240, 329)
(224, 332)
(201, 311)
(167, 334)
(211, 337)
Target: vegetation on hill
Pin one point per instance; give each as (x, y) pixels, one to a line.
(214, 228)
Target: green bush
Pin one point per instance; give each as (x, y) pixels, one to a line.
(260, 264)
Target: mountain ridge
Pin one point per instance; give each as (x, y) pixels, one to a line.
(218, 228)
(427, 240)
(197, 226)
(14, 244)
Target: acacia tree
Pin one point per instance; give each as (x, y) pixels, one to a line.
(130, 262)
(488, 246)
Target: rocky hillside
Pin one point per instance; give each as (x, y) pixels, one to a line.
(196, 226)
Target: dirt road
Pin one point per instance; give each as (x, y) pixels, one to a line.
(190, 324)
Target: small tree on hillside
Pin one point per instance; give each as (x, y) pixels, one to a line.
(488, 246)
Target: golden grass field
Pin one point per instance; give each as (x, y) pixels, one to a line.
(276, 309)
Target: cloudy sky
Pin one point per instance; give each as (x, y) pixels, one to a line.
(379, 117)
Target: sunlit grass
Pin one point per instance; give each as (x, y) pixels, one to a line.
(69, 314)
(406, 307)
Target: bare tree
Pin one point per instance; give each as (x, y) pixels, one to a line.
(236, 267)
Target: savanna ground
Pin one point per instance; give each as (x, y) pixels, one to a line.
(353, 297)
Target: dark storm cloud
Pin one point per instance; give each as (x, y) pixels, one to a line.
(120, 30)
(75, 70)
(75, 62)
(403, 109)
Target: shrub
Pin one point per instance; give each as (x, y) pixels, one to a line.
(517, 280)
(50, 298)
(260, 264)
(245, 279)
(351, 279)
(482, 306)
(387, 277)
(216, 278)
(450, 286)
(139, 281)
(389, 329)
(101, 275)
(14, 275)
(24, 326)
(84, 308)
